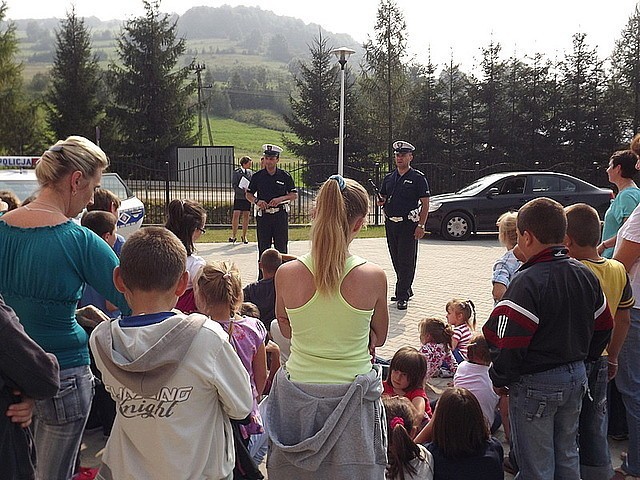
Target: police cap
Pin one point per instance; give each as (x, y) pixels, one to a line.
(403, 147)
(271, 150)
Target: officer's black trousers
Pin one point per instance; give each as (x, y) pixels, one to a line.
(403, 248)
(273, 228)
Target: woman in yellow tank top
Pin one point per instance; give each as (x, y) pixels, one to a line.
(333, 307)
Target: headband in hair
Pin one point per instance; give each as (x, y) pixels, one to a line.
(341, 183)
(395, 421)
(55, 148)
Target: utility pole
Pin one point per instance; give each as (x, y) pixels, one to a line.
(199, 68)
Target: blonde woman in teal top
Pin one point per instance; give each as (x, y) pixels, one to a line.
(45, 261)
(333, 307)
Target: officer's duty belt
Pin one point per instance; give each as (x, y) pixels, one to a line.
(273, 209)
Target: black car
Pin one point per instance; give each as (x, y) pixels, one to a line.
(476, 207)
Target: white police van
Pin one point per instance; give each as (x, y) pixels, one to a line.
(20, 178)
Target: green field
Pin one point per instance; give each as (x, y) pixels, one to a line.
(247, 139)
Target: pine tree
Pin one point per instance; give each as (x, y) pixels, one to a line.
(582, 87)
(315, 113)
(20, 132)
(73, 106)
(458, 91)
(428, 130)
(493, 106)
(625, 73)
(151, 94)
(384, 78)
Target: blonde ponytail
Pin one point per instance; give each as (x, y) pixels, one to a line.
(340, 203)
(219, 282)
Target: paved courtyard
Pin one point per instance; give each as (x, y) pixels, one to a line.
(445, 270)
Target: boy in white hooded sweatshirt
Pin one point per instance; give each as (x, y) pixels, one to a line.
(175, 379)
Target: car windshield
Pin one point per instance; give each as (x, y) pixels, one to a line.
(479, 185)
(21, 187)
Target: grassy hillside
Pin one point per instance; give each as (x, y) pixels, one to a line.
(247, 139)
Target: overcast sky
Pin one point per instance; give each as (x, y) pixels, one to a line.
(440, 25)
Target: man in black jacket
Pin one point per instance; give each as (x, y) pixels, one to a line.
(26, 372)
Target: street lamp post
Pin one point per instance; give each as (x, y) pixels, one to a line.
(342, 54)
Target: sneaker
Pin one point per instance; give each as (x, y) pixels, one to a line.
(244, 240)
(232, 240)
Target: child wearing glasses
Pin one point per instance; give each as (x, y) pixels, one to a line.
(186, 219)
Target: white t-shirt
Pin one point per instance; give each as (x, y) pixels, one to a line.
(423, 466)
(475, 378)
(194, 262)
(630, 230)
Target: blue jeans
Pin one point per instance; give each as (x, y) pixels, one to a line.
(595, 458)
(628, 383)
(544, 409)
(59, 423)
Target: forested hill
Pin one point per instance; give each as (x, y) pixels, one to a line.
(254, 28)
(248, 31)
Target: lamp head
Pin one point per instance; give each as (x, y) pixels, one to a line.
(342, 54)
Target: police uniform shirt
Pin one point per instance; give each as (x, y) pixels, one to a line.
(271, 186)
(403, 192)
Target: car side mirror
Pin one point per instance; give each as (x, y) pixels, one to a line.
(493, 191)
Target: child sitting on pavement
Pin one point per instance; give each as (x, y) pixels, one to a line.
(435, 337)
(407, 460)
(406, 379)
(473, 374)
(461, 315)
(175, 378)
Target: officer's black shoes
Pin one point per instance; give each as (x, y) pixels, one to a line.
(232, 240)
(394, 298)
(402, 304)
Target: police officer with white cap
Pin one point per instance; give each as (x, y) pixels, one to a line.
(271, 189)
(404, 193)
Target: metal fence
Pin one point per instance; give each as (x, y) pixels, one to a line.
(155, 187)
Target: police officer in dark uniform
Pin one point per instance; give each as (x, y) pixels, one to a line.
(405, 196)
(271, 189)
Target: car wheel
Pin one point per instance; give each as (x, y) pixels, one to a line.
(456, 226)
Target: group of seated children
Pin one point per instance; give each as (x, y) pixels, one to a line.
(455, 440)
